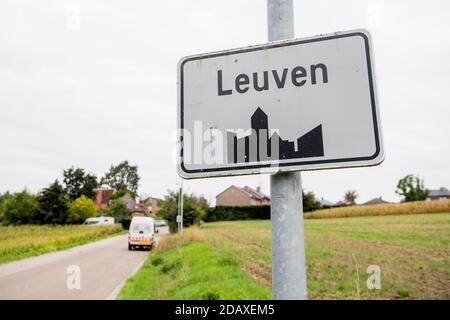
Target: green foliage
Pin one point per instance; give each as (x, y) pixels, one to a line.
(118, 209)
(225, 213)
(53, 204)
(19, 208)
(310, 202)
(350, 197)
(121, 192)
(3, 198)
(81, 209)
(194, 209)
(123, 176)
(411, 188)
(77, 183)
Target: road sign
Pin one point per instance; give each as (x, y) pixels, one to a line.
(300, 104)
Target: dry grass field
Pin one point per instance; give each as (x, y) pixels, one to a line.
(18, 242)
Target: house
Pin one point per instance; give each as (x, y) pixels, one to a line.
(138, 209)
(340, 204)
(152, 205)
(375, 201)
(103, 197)
(239, 197)
(440, 194)
(325, 203)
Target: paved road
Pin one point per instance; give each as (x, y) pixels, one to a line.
(103, 267)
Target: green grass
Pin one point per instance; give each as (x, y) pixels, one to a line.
(17, 242)
(193, 270)
(412, 252)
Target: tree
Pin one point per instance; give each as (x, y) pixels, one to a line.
(3, 198)
(350, 197)
(19, 208)
(77, 183)
(123, 176)
(194, 209)
(310, 202)
(119, 211)
(53, 204)
(411, 188)
(81, 209)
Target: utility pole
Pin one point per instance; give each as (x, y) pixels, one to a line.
(288, 244)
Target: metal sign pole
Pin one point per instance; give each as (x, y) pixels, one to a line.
(181, 206)
(288, 247)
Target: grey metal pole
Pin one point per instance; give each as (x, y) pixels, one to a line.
(181, 208)
(288, 244)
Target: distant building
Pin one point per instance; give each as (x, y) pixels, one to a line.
(239, 197)
(138, 209)
(325, 203)
(375, 201)
(340, 204)
(103, 197)
(152, 205)
(440, 194)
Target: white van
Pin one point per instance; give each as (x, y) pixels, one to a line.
(141, 233)
(99, 220)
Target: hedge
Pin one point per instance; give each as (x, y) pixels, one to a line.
(222, 213)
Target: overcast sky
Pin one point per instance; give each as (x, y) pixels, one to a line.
(91, 83)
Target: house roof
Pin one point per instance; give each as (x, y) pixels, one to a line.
(325, 203)
(378, 200)
(441, 192)
(256, 194)
(252, 193)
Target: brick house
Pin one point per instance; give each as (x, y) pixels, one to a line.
(246, 196)
(103, 197)
(103, 200)
(152, 205)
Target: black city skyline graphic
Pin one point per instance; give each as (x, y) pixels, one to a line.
(252, 149)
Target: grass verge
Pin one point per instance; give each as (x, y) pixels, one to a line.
(192, 270)
(17, 242)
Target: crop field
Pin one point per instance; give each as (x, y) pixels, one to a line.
(412, 253)
(403, 208)
(17, 242)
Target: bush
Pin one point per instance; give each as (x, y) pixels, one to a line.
(222, 213)
(20, 208)
(193, 209)
(81, 209)
(119, 211)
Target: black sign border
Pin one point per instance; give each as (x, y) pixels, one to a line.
(284, 164)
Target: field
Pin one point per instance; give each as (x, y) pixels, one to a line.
(412, 252)
(24, 241)
(403, 208)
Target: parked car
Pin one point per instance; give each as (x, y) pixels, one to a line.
(160, 223)
(141, 233)
(99, 220)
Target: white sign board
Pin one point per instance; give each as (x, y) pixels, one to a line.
(300, 104)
